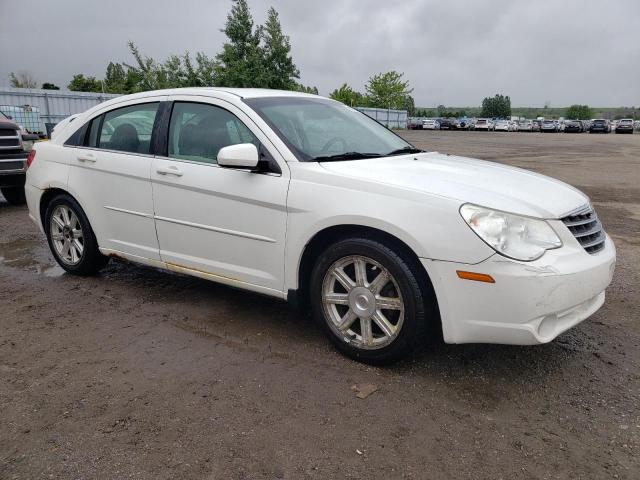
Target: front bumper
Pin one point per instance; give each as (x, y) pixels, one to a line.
(530, 302)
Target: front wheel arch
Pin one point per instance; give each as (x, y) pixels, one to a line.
(330, 235)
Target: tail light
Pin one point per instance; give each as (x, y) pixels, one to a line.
(31, 158)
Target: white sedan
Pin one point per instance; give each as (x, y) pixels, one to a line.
(305, 199)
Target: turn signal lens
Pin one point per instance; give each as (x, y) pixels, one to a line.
(478, 277)
(31, 157)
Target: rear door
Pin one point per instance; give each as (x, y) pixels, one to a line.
(109, 176)
(214, 220)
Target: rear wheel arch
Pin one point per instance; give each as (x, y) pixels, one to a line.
(46, 198)
(330, 235)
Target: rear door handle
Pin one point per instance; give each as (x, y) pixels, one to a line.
(169, 171)
(87, 157)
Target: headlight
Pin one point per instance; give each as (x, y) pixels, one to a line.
(513, 236)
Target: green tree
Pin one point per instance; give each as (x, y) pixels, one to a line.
(23, 79)
(279, 69)
(387, 90)
(347, 95)
(240, 62)
(410, 105)
(49, 86)
(578, 112)
(80, 83)
(497, 106)
(304, 89)
(115, 79)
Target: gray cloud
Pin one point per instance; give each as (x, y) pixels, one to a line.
(454, 52)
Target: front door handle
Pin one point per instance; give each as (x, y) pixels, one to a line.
(169, 171)
(87, 157)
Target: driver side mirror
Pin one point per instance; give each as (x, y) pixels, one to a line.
(242, 155)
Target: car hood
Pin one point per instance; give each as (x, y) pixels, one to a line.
(480, 182)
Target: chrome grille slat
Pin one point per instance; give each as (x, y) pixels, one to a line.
(587, 229)
(577, 223)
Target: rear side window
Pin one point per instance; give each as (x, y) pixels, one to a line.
(126, 129)
(198, 131)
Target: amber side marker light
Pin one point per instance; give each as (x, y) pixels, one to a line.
(478, 277)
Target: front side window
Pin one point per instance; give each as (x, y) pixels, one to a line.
(197, 132)
(317, 129)
(128, 129)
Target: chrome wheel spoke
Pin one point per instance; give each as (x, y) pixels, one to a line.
(337, 298)
(379, 282)
(344, 279)
(366, 332)
(65, 216)
(59, 223)
(387, 303)
(78, 246)
(360, 267)
(57, 236)
(347, 320)
(387, 327)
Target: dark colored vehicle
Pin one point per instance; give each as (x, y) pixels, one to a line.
(14, 150)
(625, 126)
(573, 126)
(414, 123)
(600, 125)
(549, 126)
(446, 124)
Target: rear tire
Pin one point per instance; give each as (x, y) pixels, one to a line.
(71, 238)
(368, 319)
(14, 195)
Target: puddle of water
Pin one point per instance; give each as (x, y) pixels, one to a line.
(29, 255)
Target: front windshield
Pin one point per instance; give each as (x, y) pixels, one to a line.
(320, 129)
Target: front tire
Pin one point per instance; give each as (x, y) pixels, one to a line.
(368, 300)
(14, 195)
(71, 238)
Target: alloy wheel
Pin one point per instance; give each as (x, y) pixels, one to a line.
(66, 235)
(362, 302)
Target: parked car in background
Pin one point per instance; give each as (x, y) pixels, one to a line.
(600, 125)
(446, 123)
(483, 124)
(573, 126)
(430, 124)
(463, 123)
(15, 145)
(502, 126)
(549, 126)
(625, 126)
(536, 125)
(414, 123)
(525, 126)
(301, 198)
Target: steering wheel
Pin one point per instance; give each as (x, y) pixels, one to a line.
(331, 142)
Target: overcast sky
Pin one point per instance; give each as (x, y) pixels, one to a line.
(453, 52)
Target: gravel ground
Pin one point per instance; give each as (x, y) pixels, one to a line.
(139, 373)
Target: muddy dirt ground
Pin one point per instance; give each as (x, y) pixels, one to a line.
(138, 373)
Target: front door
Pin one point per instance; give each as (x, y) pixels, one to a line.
(224, 222)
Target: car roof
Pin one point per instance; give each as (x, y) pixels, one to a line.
(212, 91)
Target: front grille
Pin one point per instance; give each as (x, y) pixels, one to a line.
(7, 166)
(9, 142)
(7, 132)
(585, 226)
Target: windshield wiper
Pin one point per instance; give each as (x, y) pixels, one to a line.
(405, 150)
(346, 156)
